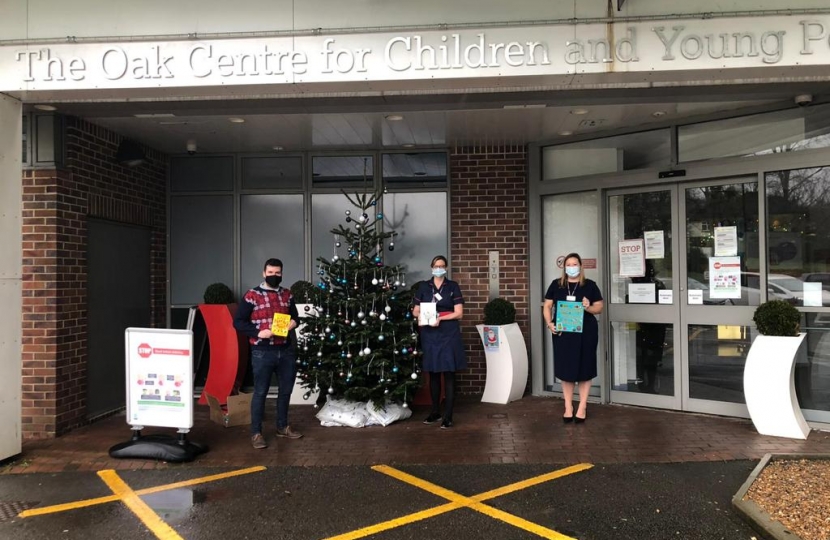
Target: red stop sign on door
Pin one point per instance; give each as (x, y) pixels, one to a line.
(144, 350)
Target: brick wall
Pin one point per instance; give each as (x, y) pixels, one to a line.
(56, 206)
(488, 212)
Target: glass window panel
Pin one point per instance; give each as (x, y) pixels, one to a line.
(717, 354)
(630, 217)
(569, 224)
(418, 240)
(356, 172)
(643, 357)
(791, 130)
(415, 170)
(722, 206)
(201, 174)
(798, 235)
(610, 154)
(812, 370)
(201, 245)
(272, 172)
(271, 226)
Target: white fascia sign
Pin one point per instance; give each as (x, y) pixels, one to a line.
(639, 50)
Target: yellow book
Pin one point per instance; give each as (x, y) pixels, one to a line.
(280, 325)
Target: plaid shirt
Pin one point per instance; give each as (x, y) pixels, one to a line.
(256, 313)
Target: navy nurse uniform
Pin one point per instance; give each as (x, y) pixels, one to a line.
(442, 346)
(575, 353)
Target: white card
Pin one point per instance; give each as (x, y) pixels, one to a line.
(429, 313)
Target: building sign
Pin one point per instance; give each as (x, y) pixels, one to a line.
(545, 50)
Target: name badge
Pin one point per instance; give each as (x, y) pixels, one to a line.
(438, 296)
(570, 298)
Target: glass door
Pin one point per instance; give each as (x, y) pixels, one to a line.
(684, 280)
(720, 265)
(642, 298)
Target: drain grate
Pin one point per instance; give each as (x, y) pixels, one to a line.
(10, 509)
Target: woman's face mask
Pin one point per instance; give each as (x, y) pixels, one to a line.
(572, 271)
(439, 271)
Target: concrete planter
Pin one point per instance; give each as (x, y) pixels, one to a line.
(769, 386)
(506, 363)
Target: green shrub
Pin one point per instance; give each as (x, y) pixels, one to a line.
(499, 311)
(303, 292)
(777, 318)
(218, 293)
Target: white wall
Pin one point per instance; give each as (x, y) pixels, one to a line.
(11, 146)
(37, 19)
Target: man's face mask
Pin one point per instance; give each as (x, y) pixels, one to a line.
(273, 281)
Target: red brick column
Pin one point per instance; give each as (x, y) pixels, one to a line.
(488, 207)
(56, 205)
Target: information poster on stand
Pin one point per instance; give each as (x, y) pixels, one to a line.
(159, 377)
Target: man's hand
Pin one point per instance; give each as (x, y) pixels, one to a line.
(265, 334)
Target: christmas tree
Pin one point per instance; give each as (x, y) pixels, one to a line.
(359, 341)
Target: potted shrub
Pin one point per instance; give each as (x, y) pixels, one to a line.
(769, 384)
(505, 352)
(228, 348)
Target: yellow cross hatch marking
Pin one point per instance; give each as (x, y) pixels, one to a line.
(131, 499)
(460, 501)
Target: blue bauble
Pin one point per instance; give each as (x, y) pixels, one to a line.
(380, 216)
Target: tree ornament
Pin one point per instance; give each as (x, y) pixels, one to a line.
(331, 390)
(360, 314)
(348, 220)
(388, 308)
(334, 258)
(367, 350)
(357, 225)
(306, 308)
(348, 212)
(414, 376)
(391, 247)
(381, 337)
(382, 317)
(380, 216)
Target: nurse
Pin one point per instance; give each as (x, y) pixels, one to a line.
(443, 350)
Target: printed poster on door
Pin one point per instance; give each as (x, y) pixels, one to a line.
(159, 377)
(632, 258)
(724, 277)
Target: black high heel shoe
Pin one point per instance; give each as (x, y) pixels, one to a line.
(578, 420)
(568, 419)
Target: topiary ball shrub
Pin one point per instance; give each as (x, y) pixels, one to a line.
(303, 292)
(218, 293)
(499, 311)
(777, 318)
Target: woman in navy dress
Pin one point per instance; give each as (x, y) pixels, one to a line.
(441, 341)
(574, 353)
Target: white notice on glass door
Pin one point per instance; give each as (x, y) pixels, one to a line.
(726, 241)
(632, 259)
(655, 244)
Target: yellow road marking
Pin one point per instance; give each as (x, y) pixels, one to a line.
(459, 501)
(146, 491)
(397, 522)
(130, 498)
(66, 506)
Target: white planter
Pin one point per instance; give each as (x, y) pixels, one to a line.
(769, 387)
(297, 393)
(506, 365)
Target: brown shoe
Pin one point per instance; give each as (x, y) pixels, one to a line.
(289, 433)
(258, 441)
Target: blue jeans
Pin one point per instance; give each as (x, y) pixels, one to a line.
(283, 362)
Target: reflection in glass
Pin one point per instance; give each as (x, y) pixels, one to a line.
(630, 216)
(798, 235)
(710, 207)
(717, 354)
(272, 172)
(812, 371)
(610, 154)
(415, 169)
(790, 130)
(343, 172)
(260, 217)
(418, 240)
(643, 356)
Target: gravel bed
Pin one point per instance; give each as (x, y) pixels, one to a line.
(796, 493)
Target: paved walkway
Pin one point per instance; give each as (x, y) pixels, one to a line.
(529, 431)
